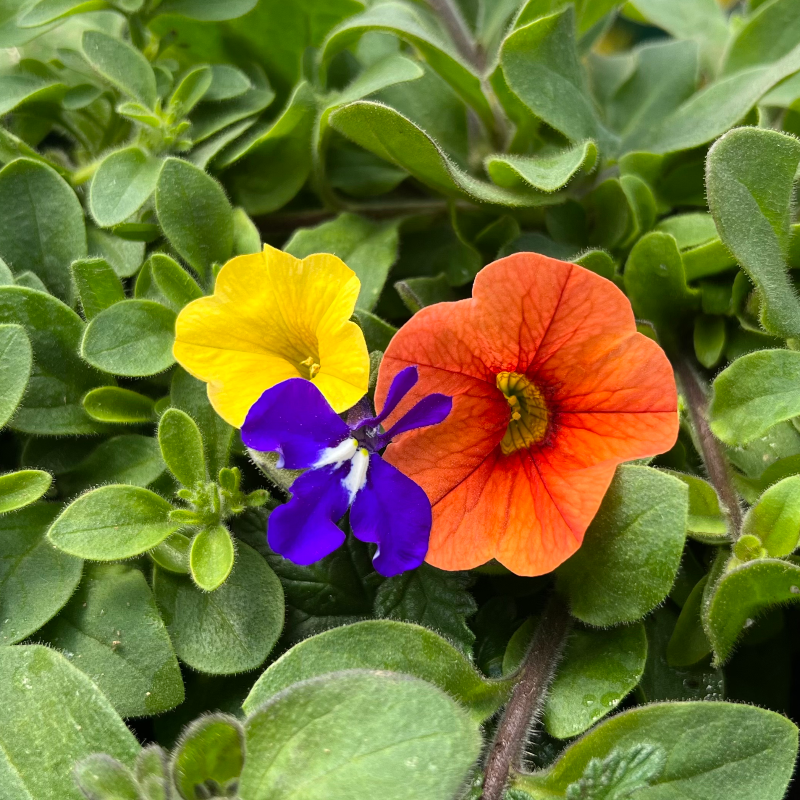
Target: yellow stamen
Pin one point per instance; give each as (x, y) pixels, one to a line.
(528, 423)
(313, 366)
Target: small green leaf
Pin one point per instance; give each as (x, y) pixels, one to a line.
(190, 91)
(125, 255)
(599, 668)
(775, 518)
(211, 749)
(211, 557)
(172, 554)
(689, 643)
(101, 777)
(132, 338)
(359, 735)
(767, 34)
(182, 447)
(18, 489)
(36, 761)
(195, 215)
(43, 229)
(16, 359)
(175, 283)
(115, 405)
(112, 523)
(98, 285)
(631, 551)
(416, 293)
(111, 630)
(368, 248)
(750, 179)
(756, 392)
(36, 580)
(388, 646)
(227, 631)
(246, 236)
(210, 10)
(711, 750)
(226, 82)
(709, 339)
(152, 773)
(377, 332)
(122, 184)
(705, 522)
(122, 65)
(743, 593)
(545, 173)
(433, 598)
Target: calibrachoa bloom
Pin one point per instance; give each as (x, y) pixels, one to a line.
(345, 471)
(273, 317)
(552, 387)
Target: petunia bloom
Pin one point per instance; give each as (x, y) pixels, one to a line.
(344, 470)
(274, 317)
(552, 388)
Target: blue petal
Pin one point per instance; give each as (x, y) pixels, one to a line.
(304, 530)
(294, 419)
(402, 384)
(394, 512)
(431, 410)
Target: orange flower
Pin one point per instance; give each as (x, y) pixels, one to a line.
(552, 386)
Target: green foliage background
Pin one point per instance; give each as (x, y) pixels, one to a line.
(145, 143)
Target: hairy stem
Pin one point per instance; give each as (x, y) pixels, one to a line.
(527, 698)
(451, 17)
(710, 448)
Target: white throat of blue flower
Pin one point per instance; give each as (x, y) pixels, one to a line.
(348, 450)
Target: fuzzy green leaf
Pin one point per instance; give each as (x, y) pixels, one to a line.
(16, 360)
(98, 285)
(116, 405)
(182, 447)
(211, 557)
(18, 489)
(122, 65)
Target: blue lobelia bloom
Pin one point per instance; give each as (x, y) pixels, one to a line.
(344, 470)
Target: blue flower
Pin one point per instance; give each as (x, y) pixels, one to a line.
(344, 470)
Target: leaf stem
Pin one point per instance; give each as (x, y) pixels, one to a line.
(527, 698)
(451, 17)
(710, 448)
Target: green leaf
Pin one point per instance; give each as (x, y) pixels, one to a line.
(655, 282)
(395, 138)
(101, 777)
(43, 229)
(122, 65)
(195, 215)
(182, 447)
(59, 379)
(403, 21)
(115, 405)
(433, 598)
(631, 551)
(246, 236)
(152, 773)
(416, 293)
(189, 395)
(132, 338)
(769, 33)
(190, 91)
(97, 284)
(230, 630)
(540, 64)
(750, 174)
(112, 523)
(211, 749)
(111, 630)
(377, 332)
(211, 557)
(122, 184)
(546, 173)
(599, 669)
(368, 248)
(712, 750)
(689, 643)
(741, 594)
(173, 554)
(207, 9)
(754, 393)
(124, 255)
(709, 339)
(775, 518)
(36, 580)
(705, 522)
(18, 489)
(175, 283)
(383, 645)
(227, 82)
(359, 735)
(36, 761)
(16, 360)
(46, 11)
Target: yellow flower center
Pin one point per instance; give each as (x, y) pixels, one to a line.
(528, 423)
(313, 366)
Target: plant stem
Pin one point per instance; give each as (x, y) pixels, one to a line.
(710, 448)
(527, 698)
(451, 17)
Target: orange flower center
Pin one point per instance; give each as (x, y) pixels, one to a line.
(528, 423)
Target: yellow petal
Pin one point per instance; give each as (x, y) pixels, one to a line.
(273, 317)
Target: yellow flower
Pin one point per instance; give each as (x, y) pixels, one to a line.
(274, 317)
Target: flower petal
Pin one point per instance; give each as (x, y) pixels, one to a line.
(269, 313)
(295, 420)
(401, 385)
(431, 410)
(304, 530)
(394, 512)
